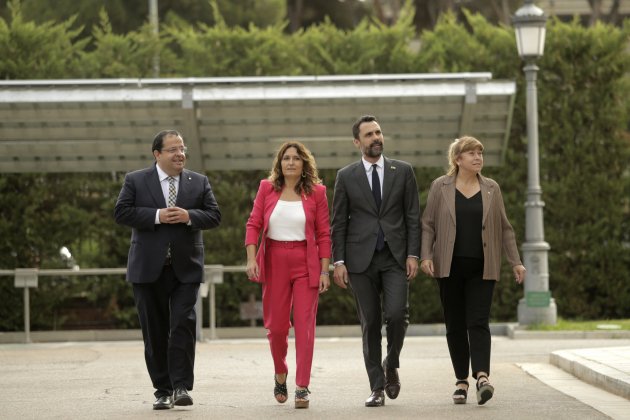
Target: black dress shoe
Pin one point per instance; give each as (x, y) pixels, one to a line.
(163, 403)
(181, 397)
(376, 399)
(392, 381)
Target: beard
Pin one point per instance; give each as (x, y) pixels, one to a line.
(374, 150)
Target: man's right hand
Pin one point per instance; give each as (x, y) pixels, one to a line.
(340, 276)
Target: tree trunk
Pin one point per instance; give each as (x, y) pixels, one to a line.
(378, 10)
(596, 11)
(613, 14)
(295, 9)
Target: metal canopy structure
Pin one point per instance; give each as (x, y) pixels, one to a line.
(105, 125)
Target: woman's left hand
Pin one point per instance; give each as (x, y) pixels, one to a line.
(324, 283)
(519, 273)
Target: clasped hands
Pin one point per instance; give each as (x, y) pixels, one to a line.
(172, 215)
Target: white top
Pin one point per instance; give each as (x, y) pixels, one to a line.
(287, 222)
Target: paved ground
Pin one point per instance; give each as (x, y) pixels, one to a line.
(98, 380)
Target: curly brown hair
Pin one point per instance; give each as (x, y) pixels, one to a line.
(309, 177)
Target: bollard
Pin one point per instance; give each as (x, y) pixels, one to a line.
(213, 275)
(26, 277)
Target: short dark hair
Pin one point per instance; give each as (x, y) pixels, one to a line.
(158, 141)
(361, 120)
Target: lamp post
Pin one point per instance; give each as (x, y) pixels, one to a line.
(536, 306)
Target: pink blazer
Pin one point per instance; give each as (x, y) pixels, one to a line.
(317, 229)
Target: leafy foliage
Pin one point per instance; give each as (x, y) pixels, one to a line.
(36, 51)
(583, 102)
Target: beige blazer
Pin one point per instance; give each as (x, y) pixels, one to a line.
(438, 228)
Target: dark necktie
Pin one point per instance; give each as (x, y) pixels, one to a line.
(376, 192)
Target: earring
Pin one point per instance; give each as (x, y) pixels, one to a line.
(303, 174)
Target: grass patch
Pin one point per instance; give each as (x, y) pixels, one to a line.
(598, 325)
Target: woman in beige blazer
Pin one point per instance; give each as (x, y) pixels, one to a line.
(464, 227)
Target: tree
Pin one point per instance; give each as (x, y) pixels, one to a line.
(583, 101)
(344, 14)
(597, 13)
(124, 55)
(31, 51)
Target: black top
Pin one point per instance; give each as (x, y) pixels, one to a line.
(469, 215)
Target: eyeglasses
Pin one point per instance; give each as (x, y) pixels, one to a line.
(173, 150)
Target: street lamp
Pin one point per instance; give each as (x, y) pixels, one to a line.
(537, 307)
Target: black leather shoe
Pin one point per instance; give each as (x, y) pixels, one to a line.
(392, 381)
(376, 399)
(163, 403)
(181, 397)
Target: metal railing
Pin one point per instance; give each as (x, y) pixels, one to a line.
(28, 278)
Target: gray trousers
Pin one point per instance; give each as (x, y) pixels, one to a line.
(383, 281)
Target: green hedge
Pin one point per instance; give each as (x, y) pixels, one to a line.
(583, 102)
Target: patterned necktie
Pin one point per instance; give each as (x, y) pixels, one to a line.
(172, 193)
(172, 196)
(376, 192)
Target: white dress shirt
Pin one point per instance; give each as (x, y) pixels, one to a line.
(163, 176)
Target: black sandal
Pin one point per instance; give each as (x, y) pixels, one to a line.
(485, 390)
(301, 398)
(460, 395)
(280, 390)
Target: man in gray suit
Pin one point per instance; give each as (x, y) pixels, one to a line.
(167, 207)
(376, 245)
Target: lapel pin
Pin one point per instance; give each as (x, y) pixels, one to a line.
(393, 168)
(189, 178)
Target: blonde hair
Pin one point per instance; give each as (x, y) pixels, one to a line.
(310, 175)
(459, 146)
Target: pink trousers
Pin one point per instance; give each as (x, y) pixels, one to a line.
(285, 288)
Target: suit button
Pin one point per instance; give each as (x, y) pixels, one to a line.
(483, 227)
(484, 244)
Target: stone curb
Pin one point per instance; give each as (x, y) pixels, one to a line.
(511, 330)
(593, 370)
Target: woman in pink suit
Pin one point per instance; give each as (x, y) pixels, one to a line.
(290, 216)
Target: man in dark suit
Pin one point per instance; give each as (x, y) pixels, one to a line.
(167, 207)
(376, 244)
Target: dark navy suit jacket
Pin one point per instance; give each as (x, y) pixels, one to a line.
(139, 199)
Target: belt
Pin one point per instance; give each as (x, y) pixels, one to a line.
(285, 244)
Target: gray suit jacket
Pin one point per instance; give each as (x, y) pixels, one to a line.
(139, 199)
(356, 219)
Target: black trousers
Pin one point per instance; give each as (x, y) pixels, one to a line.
(166, 309)
(383, 280)
(466, 301)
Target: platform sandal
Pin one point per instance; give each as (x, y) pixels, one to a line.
(280, 390)
(484, 390)
(301, 398)
(460, 395)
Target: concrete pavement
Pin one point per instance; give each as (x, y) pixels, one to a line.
(234, 379)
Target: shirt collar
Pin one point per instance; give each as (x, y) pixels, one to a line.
(368, 165)
(163, 175)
